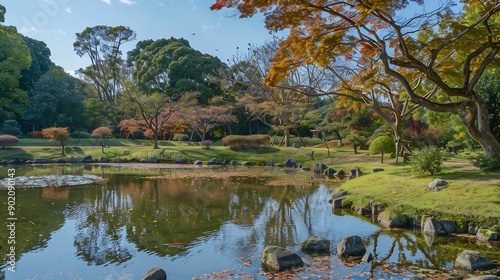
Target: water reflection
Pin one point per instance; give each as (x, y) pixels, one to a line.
(195, 226)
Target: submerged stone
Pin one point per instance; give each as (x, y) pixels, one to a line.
(276, 259)
(351, 246)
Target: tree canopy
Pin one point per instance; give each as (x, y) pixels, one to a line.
(435, 54)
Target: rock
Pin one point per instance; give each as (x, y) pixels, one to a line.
(295, 145)
(364, 211)
(377, 208)
(438, 184)
(487, 235)
(233, 162)
(485, 277)
(316, 245)
(351, 246)
(356, 172)
(118, 160)
(377, 169)
(319, 167)
(306, 169)
(179, 160)
(198, 162)
(155, 273)
(340, 203)
(224, 162)
(339, 194)
(449, 226)
(153, 160)
(213, 161)
(276, 259)
(270, 164)
(339, 174)
(291, 162)
(87, 159)
(330, 172)
(248, 163)
(432, 226)
(392, 219)
(104, 160)
(472, 229)
(471, 261)
(15, 160)
(367, 257)
(143, 161)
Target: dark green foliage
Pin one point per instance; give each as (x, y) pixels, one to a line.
(489, 89)
(11, 127)
(429, 160)
(40, 63)
(8, 140)
(80, 134)
(486, 163)
(239, 142)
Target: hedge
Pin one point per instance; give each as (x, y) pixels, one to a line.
(8, 140)
(238, 142)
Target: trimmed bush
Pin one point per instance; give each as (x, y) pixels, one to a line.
(37, 134)
(102, 132)
(381, 145)
(486, 163)
(428, 160)
(80, 134)
(206, 144)
(8, 140)
(239, 142)
(313, 141)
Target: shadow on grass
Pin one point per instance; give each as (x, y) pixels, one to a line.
(263, 150)
(11, 153)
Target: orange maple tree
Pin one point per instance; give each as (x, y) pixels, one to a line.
(435, 52)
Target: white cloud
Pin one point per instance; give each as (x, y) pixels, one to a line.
(107, 2)
(128, 2)
(60, 31)
(68, 10)
(206, 26)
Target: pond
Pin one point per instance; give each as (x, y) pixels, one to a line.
(197, 228)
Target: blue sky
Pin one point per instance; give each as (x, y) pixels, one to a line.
(56, 21)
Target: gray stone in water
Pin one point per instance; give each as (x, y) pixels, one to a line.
(276, 259)
(449, 226)
(316, 245)
(319, 167)
(213, 161)
(392, 219)
(153, 160)
(155, 274)
(487, 235)
(198, 162)
(291, 162)
(438, 184)
(377, 169)
(87, 159)
(339, 194)
(471, 261)
(118, 160)
(330, 172)
(179, 160)
(104, 159)
(351, 246)
(433, 227)
(143, 161)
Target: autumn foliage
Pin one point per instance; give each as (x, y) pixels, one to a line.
(56, 134)
(8, 140)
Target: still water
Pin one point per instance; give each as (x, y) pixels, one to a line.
(196, 228)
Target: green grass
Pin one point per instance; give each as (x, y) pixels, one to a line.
(471, 193)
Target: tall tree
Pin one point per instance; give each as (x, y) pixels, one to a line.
(442, 48)
(102, 44)
(40, 63)
(14, 58)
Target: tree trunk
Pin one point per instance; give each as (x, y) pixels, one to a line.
(62, 146)
(286, 135)
(382, 157)
(477, 124)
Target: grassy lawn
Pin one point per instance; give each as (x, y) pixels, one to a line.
(471, 192)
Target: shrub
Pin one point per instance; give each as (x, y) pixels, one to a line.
(238, 142)
(80, 134)
(381, 145)
(11, 127)
(313, 141)
(206, 143)
(427, 160)
(8, 140)
(486, 163)
(102, 132)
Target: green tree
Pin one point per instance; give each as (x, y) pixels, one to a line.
(14, 58)
(2, 13)
(489, 88)
(11, 127)
(381, 145)
(360, 41)
(102, 44)
(56, 134)
(40, 63)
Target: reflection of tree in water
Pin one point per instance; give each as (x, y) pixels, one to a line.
(99, 237)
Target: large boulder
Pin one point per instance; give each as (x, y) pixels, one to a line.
(319, 167)
(213, 161)
(276, 259)
(392, 219)
(487, 235)
(155, 273)
(316, 245)
(431, 226)
(438, 184)
(87, 159)
(291, 162)
(351, 246)
(471, 261)
(329, 172)
(179, 160)
(337, 199)
(198, 162)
